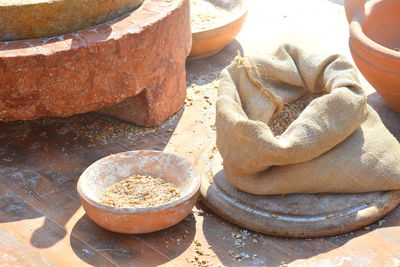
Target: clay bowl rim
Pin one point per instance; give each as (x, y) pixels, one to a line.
(153, 209)
(243, 11)
(357, 33)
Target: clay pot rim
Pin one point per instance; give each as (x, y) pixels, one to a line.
(243, 12)
(193, 190)
(357, 34)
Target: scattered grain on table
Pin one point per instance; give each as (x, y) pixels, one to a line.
(201, 257)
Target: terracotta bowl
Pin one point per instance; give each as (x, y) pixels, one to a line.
(210, 41)
(107, 171)
(374, 33)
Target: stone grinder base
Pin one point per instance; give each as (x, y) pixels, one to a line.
(132, 68)
(297, 215)
(153, 105)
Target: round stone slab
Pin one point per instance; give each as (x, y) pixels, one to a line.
(296, 215)
(28, 19)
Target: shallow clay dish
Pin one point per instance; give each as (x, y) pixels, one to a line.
(107, 171)
(210, 41)
(374, 34)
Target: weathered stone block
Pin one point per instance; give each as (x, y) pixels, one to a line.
(140, 54)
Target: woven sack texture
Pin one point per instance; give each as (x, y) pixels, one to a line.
(338, 144)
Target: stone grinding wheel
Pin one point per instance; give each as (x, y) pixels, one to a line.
(296, 215)
(28, 19)
(136, 60)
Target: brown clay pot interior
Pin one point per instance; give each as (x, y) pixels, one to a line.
(382, 25)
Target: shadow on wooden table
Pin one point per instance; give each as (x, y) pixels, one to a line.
(209, 68)
(41, 161)
(137, 250)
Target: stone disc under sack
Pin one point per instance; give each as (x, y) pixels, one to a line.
(293, 215)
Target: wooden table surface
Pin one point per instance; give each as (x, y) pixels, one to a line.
(42, 222)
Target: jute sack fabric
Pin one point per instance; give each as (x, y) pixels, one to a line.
(338, 143)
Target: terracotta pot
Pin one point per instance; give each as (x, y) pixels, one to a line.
(107, 171)
(208, 42)
(374, 33)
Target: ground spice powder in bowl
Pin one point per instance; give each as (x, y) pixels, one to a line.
(140, 191)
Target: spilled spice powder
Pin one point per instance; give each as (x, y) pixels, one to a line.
(140, 191)
(290, 112)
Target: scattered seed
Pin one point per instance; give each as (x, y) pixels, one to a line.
(205, 15)
(140, 191)
(291, 111)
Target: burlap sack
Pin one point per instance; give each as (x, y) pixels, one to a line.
(338, 144)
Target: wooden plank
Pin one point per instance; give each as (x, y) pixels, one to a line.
(367, 250)
(15, 253)
(51, 195)
(28, 226)
(121, 249)
(270, 250)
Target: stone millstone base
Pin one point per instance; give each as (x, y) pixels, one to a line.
(294, 215)
(28, 19)
(140, 54)
(152, 107)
